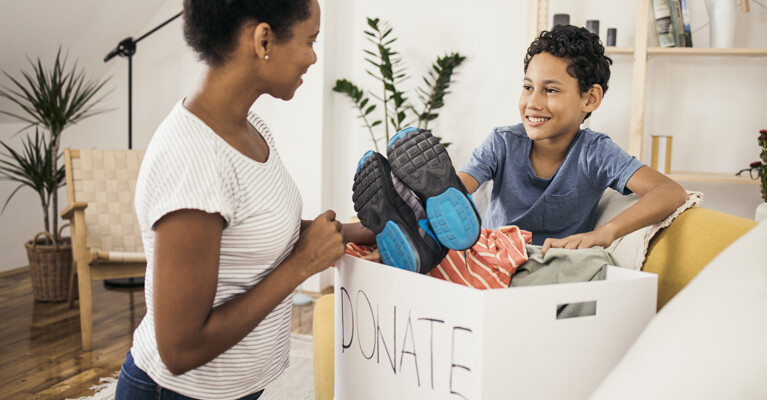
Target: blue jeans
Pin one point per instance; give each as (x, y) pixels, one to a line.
(135, 384)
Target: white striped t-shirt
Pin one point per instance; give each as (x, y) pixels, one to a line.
(188, 166)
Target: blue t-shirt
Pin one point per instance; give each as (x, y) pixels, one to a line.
(564, 204)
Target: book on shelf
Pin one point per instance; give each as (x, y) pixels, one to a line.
(662, 21)
(686, 23)
(677, 24)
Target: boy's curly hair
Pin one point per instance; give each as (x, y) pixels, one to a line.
(581, 49)
(211, 27)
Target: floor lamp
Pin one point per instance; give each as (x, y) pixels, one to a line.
(127, 48)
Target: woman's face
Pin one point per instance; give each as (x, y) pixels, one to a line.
(288, 61)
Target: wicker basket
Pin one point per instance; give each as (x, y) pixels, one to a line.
(49, 267)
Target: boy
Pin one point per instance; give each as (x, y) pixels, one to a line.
(548, 173)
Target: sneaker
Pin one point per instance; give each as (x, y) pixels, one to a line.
(403, 241)
(422, 163)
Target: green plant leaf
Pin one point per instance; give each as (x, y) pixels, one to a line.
(389, 71)
(49, 98)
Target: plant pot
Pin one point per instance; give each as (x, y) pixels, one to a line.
(761, 212)
(49, 267)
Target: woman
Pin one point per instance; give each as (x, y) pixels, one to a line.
(220, 216)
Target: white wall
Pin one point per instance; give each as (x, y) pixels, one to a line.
(714, 106)
(164, 71)
(489, 33)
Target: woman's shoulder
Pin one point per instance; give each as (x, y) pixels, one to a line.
(183, 128)
(183, 137)
(260, 126)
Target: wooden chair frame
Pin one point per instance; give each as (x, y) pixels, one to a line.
(91, 264)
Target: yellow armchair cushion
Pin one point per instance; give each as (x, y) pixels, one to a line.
(678, 252)
(324, 357)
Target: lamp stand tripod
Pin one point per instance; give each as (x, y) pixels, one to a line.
(127, 48)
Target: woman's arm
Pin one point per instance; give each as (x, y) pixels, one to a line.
(659, 197)
(190, 331)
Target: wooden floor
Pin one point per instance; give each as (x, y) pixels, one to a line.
(40, 352)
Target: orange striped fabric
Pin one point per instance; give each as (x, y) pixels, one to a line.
(489, 264)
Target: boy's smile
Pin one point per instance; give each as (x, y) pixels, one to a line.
(551, 105)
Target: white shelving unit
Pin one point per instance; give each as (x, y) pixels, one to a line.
(538, 20)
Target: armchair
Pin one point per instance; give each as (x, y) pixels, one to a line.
(106, 239)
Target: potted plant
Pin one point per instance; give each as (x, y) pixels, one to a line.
(761, 167)
(50, 100)
(390, 75)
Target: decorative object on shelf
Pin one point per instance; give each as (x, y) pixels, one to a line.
(593, 26)
(758, 170)
(722, 18)
(612, 33)
(390, 73)
(677, 23)
(686, 26)
(662, 21)
(561, 19)
(52, 99)
(661, 153)
(761, 212)
(763, 168)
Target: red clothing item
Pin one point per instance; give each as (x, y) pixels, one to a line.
(488, 264)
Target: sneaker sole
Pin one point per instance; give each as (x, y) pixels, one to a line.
(380, 208)
(422, 163)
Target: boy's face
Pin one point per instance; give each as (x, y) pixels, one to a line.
(551, 105)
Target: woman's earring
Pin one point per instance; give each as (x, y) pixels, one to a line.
(266, 56)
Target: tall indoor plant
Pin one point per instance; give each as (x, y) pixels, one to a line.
(49, 100)
(390, 74)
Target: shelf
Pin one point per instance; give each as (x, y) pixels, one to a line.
(619, 50)
(705, 51)
(711, 177)
(643, 53)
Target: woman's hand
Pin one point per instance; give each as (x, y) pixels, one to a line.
(319, 245)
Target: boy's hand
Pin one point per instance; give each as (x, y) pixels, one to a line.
(580, 241)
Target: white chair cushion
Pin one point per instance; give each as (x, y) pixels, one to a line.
(630, 251)
(710, 340)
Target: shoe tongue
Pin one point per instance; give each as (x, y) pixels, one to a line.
(410, 198)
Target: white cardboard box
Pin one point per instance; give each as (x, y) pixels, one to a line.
(401, 335)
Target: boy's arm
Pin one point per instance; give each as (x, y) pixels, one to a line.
(659, 197)
(353, 232)
(468, 181)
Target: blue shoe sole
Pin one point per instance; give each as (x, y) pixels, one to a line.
(422, 163)
(380, 208)
(395, 248)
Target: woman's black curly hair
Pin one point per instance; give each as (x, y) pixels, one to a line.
(211, 26)
(581, 49)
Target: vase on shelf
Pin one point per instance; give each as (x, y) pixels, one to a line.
(761, 212)
(722, 16)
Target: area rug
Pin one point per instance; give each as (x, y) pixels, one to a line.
(296, 383)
